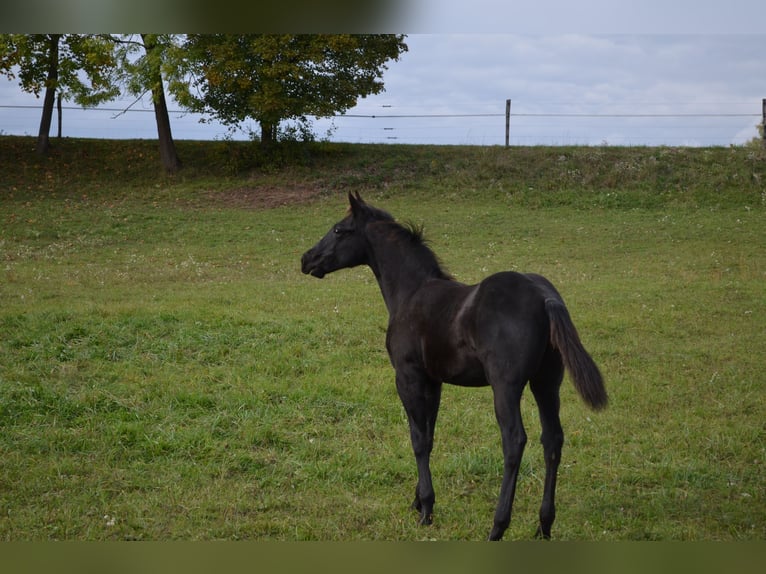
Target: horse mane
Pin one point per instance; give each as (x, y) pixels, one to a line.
(412, 233)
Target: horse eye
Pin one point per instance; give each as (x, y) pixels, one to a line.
(337, 230)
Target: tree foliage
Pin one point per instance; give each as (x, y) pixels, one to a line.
(79, 67)
(86, 64)
(271, 78)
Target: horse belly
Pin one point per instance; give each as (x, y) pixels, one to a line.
(469, 374)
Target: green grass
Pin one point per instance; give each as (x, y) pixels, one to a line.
(166, 372)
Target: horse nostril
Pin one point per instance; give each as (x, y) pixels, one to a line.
(306, 262)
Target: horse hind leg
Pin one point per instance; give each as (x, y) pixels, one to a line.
(545, 388)
(507, 397)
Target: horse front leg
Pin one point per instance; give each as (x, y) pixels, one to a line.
(421, 398)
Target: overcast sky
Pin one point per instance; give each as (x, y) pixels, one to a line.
(583, 87)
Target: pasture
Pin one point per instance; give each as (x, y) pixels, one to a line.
(167, 372)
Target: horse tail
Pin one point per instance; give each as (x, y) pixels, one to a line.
(583, 370)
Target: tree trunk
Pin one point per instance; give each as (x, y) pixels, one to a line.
(168, 153)
(51, 85)
(58, 116)
(268, 134)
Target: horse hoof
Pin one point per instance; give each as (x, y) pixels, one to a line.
(542, 535)
(426, 520)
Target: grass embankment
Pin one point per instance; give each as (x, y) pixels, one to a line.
(166, 372)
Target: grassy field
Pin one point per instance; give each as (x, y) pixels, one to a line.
(166, 372)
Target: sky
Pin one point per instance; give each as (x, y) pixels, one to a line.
(583, 77)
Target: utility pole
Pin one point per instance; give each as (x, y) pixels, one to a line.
(508, 120)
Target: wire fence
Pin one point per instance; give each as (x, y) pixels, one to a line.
(552, 123)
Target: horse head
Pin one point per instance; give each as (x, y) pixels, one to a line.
(344, 245)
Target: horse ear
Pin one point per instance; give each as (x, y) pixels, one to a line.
(356, 202)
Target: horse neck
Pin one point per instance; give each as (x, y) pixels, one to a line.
(399, 267)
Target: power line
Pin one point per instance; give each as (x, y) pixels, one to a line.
(458, 115)
(389, 116)
(78, 108)
(547, 115)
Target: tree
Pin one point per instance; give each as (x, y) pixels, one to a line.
(145, 74)
(77, 66)
(271, 78)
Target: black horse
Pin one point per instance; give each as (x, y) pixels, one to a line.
(508, 330)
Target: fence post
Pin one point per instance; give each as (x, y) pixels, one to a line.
(763, 122)
(508, 120)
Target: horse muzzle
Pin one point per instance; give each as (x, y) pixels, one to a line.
(310, 265)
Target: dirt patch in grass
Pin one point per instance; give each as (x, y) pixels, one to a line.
(265, 197)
